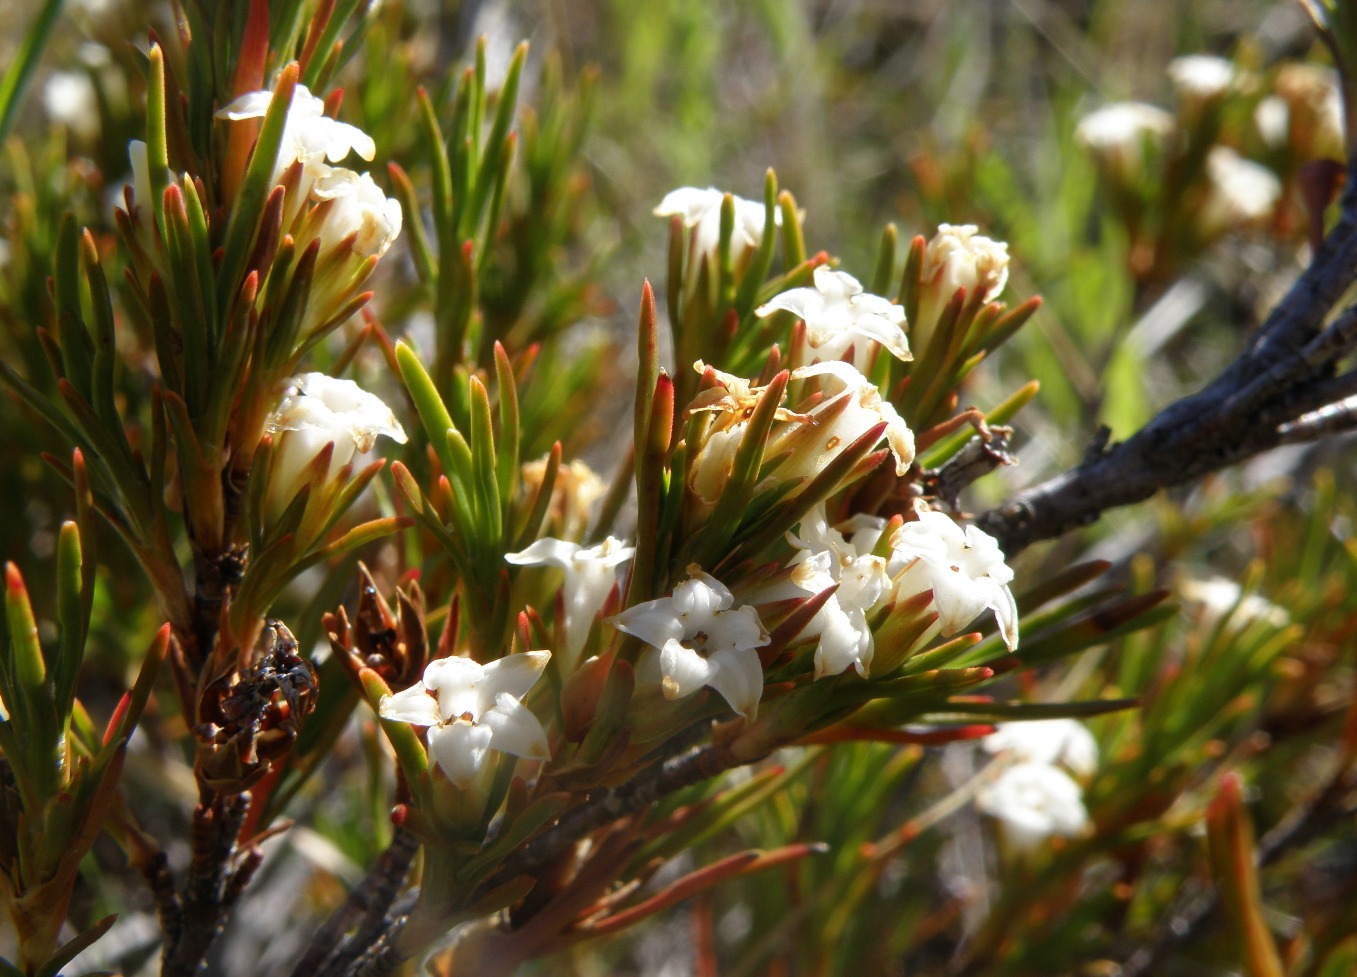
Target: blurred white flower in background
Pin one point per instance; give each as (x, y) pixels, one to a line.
(1241, 192)
(1032, 802)
(69, 98)
(1049, 741)
(1200, 78)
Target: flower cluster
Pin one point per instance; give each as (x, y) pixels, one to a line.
(351, 210)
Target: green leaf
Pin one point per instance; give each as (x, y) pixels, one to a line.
(20, 70)
(74, 946)
(71, 613)
(429, 405)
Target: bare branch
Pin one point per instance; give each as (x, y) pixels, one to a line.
(1239, 414)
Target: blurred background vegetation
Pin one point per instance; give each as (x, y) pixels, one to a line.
(870, 111)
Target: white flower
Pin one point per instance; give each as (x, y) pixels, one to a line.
(965, 569)
(957, 258)
(309, 134)
(69, 99)
(701, 211)
(1048, 741)
(1241, 192)
(358, 208)
(576, 490)
(1201, 78)
(1272, 118)
(1219, 596)
(839, 420)
(1315, 109)
(826, 558)
(318, 410)
(589, 576)
(1119, 137)
(1034, 801)
(471, 709)
(838, 314)
(703, 640)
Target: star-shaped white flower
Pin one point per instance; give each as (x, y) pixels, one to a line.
(701, 211)
(965, 569)
(1034, 801)
(1049, 741)
(827, 558)
(839, 314)
(471, 709)
(589, 576)
(703, 640)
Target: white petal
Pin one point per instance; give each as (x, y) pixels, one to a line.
(1006, 613)
(804, 303)
(690, 203)
(654, 622)
(545, 552)
(514, 674)
(738, 677)
(835, 284)
(456, 681)
(737, 629)
(459, 749)
(413, 705)
(844, 640)
(959, 600)
(516, 729)
(685, 671)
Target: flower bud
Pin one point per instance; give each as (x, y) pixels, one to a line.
(318, 411)
(956, 258)
(358, 210)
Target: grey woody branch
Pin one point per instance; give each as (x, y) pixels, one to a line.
(1268, 396)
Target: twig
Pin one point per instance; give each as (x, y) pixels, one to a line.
(365, 908)
(694, 765)
(1236, 416)
(209, 889)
